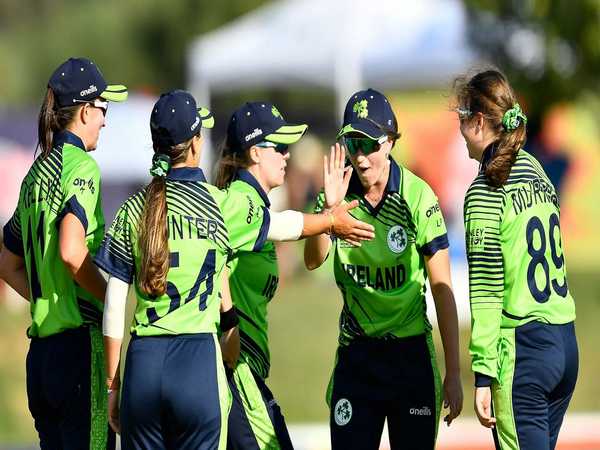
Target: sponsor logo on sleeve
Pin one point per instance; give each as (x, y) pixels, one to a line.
(84, 184)
(424, 411)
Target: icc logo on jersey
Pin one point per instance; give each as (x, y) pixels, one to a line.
(342, 412)
(397, 239)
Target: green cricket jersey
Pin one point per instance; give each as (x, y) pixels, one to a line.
(205, 227)
(66, 181)
(253, 281)
(383, 281)
(517, 267)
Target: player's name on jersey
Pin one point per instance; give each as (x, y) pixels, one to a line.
(39, 190)
(380, 278)
(532, 193)
(188, 227)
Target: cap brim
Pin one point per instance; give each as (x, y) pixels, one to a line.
(365, 128)
(206, 117)
(115, 93)
(287, 134)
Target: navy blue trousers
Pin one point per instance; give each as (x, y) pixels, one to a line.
(59, 390)
(375, 380)
(545, 368)
(174, 394)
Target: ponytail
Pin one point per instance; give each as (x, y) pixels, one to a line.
(154, 239)
(229, 163)
(507, 148)
(52, 119)
(154, 244)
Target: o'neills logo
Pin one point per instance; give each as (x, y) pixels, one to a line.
(88, 91)
(424, 411)
(195, 124)
(256, 132)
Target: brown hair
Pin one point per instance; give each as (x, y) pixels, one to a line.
(153, 238)
(51, 119)
(229, 163)
(489, 93)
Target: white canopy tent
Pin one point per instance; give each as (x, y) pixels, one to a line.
(345, 45)
(342, 44)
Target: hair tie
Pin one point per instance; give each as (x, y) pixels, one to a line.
(513, 117)
(161, 164)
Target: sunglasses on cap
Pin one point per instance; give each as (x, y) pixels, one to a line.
(96, 103)
(362, 144)
(279, 148)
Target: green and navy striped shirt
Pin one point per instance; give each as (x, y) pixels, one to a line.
(205, 227)
(517, 270)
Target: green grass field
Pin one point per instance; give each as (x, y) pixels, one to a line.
(304, 316)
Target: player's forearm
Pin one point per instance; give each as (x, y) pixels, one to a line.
(14, 272)
(316, 249)
(230, 347)
(445, 308)
(112, 356)
(485, 333)
(89, 278)
(17, 279)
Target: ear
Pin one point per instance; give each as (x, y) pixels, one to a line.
(479, 122)
(254, 154)
(196, 145)
(84, 113)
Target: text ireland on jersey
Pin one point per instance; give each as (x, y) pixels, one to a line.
(380, 278)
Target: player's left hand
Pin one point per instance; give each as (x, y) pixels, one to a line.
(336, 177)
(453, 397)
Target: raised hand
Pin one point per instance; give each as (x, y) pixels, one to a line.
(335, 176)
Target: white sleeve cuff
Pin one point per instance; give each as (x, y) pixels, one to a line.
(285, 226)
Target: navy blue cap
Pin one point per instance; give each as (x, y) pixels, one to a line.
(79, 80)
(368, 112)
(256, 122)
(175, 118)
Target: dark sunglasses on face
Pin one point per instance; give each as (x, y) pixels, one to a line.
(97, 103)
(279, 148)
(364, 145)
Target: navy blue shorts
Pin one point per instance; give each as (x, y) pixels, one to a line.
(538, 371)
(393, 379)
(255, 419)
(66, 391)
(175, 394)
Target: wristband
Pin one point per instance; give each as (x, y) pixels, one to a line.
(229, 319)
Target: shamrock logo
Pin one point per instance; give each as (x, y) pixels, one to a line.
(360, 108)
(342, 412)
(397, 239)
(276, 112)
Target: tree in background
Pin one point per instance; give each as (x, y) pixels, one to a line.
(141, 41)
(549, 49)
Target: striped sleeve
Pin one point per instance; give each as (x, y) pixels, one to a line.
(115, 255)
(483, 212)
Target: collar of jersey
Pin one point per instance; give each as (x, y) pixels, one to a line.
(66, 137)
(186, 174)
(247, 177)
(392, 186)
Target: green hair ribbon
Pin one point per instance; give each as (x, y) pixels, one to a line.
(513, 117)
(161, 164)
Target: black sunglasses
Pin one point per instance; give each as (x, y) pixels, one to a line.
(279, 148)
